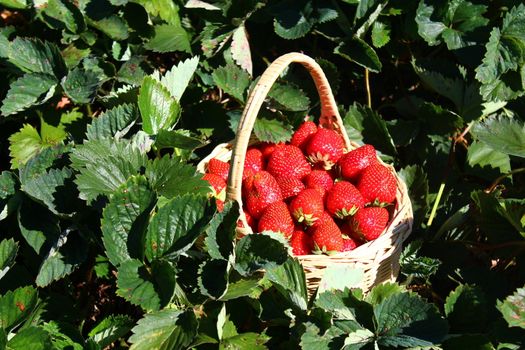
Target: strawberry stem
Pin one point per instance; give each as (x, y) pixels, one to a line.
(436, 204)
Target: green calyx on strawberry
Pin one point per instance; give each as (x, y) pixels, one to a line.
(354, 162)
(344, 200)
(377, 184)
(276, 218)
(288, 161)
(325, 148)
(370, 222)
(260, 191)
(307, 207)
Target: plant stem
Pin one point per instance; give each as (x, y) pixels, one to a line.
(89, 110)
(367, 86)
(501, 178)
(436, 204)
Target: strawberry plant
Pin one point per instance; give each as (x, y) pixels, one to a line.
(110, 238)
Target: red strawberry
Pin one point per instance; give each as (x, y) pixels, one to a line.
(253, 162)
(327, 237)
(377, 184)
(344, 199)
(219, 192)
(326, 147)
(288, 161)
(218, 167)
(262, 189)
(352, 163)
(290, 186)
(277, 218)
(302, 244)
(307, 207)
(249, 219)
(303, 134)
(370, 222)
(267, 148)
(319, 180)
(348, 244)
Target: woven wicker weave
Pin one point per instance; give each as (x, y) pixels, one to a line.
(379, 258)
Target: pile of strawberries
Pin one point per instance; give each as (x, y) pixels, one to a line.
(319, 197)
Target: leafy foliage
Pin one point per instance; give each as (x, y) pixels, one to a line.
(108, 237)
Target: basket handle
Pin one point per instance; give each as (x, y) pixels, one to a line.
(329, 118)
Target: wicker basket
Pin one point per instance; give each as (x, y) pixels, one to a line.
(378, 259)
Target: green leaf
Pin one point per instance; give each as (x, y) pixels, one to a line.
(34, 338)
(136, 284)
(358, 51)
(7, 184)
(104, 165)
(125, 219)
(177, 79)
(38, 226)
(27, 91)
(290, 280)
(482, 155)
(180, 139)
(44, 189)
(380, 34)
(62, 259)
(171, 177)
(315, 339)
(372, 128)
(233, 80)
(335, 302)
(176, 226)
(240, 49)
(113, 123)
(133, 71)
(294, 19)
(466, 309)
(340, 277)
(15, 4)
(16, 306)
(159, 110)
(243, 288)
(166, 329)
(272, 130)
(165, 9)
(288, 97)
(514, 211)
(260, 251)
(60, 14)
(81, 85)
(40, 163)
(414, 264)
(24, 144)
(8, 251)
(31, 55)
(63, 336)
(113, 26)
(406, 320)
(169, 38)
(505, 53)
(357, 339)
(220, 232)
(249, 340)
(513, 308)
(383, 291)
(213, 278)
(503, 134)
(110, 329)
(416, 181)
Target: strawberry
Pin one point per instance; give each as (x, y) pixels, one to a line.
(319, 180)
(344, 199)
(262, 189)
(348, 244)
(290, 186)
(288, 161)
(326, 146)
(370, 222)
(253, 162)
(218, 185)
(352, 163)
(377, 184)
(249, 219)
(267, 148)
(308, 206)
(218, 167)
(327, 237)
(303, 134)
(277, 218)
(302, 244)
